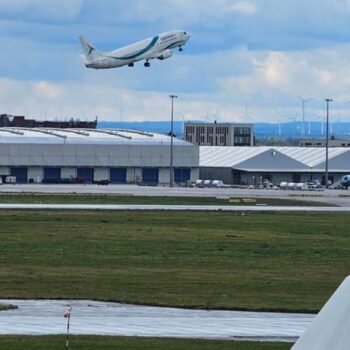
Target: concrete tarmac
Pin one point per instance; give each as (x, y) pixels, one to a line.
(221, 208)
(336, 197)
(45, 317)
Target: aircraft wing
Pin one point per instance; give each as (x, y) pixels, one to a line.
(149, 56)
(161, 55)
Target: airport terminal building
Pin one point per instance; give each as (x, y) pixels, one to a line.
(119, 156)
(253, 165)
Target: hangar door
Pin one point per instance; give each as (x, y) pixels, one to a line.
(87, 174)
(150, 175)
(182, 175)
(21, 174)
(52, 174)
(117, 175)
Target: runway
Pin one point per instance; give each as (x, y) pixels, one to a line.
(150, 207)
(45, 317)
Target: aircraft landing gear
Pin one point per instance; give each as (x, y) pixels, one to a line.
(180, 49)
(131, 65)
(147, 64)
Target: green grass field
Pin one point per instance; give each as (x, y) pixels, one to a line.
(212, 260)
(125, 343)
(113, 199)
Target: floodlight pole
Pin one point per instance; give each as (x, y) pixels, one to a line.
(327, 137)
(171, 182)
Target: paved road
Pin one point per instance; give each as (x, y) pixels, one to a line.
(337, 197)
(43, 317)
(222, 208)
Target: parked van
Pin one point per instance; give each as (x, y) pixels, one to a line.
(10, 179)
(302, 186)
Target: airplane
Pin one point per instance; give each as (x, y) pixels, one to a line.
(159, 47)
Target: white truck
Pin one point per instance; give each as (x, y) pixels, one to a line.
(345, 181)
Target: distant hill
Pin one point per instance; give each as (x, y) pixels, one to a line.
(290, 129)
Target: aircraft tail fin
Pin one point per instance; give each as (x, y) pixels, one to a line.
(89, 51)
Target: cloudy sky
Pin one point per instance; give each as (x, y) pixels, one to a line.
(248, 60)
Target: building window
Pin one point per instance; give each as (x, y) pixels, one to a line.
(244, 131)
(190, 129)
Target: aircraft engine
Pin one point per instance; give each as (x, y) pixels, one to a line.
(165, 54)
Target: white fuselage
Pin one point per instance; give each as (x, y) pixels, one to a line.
(156, 47)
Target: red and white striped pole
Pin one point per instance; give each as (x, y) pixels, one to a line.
(66, 314)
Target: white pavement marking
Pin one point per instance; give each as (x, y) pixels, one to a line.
(226, 208)
(44, 317)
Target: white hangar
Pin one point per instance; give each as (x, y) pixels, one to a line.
(249, 165)
(120, 156)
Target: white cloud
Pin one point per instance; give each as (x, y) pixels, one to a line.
(183, 11)
(45, 90)
(229, 81)
(215, 81)
(47, 9)
(244, 7)
(87, 100)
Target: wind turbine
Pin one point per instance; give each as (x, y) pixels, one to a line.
(303, 102)
(279, 117)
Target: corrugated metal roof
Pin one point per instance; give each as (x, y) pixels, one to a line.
(84, 136)
(223, 157)
(311, 156)
(232, 157)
